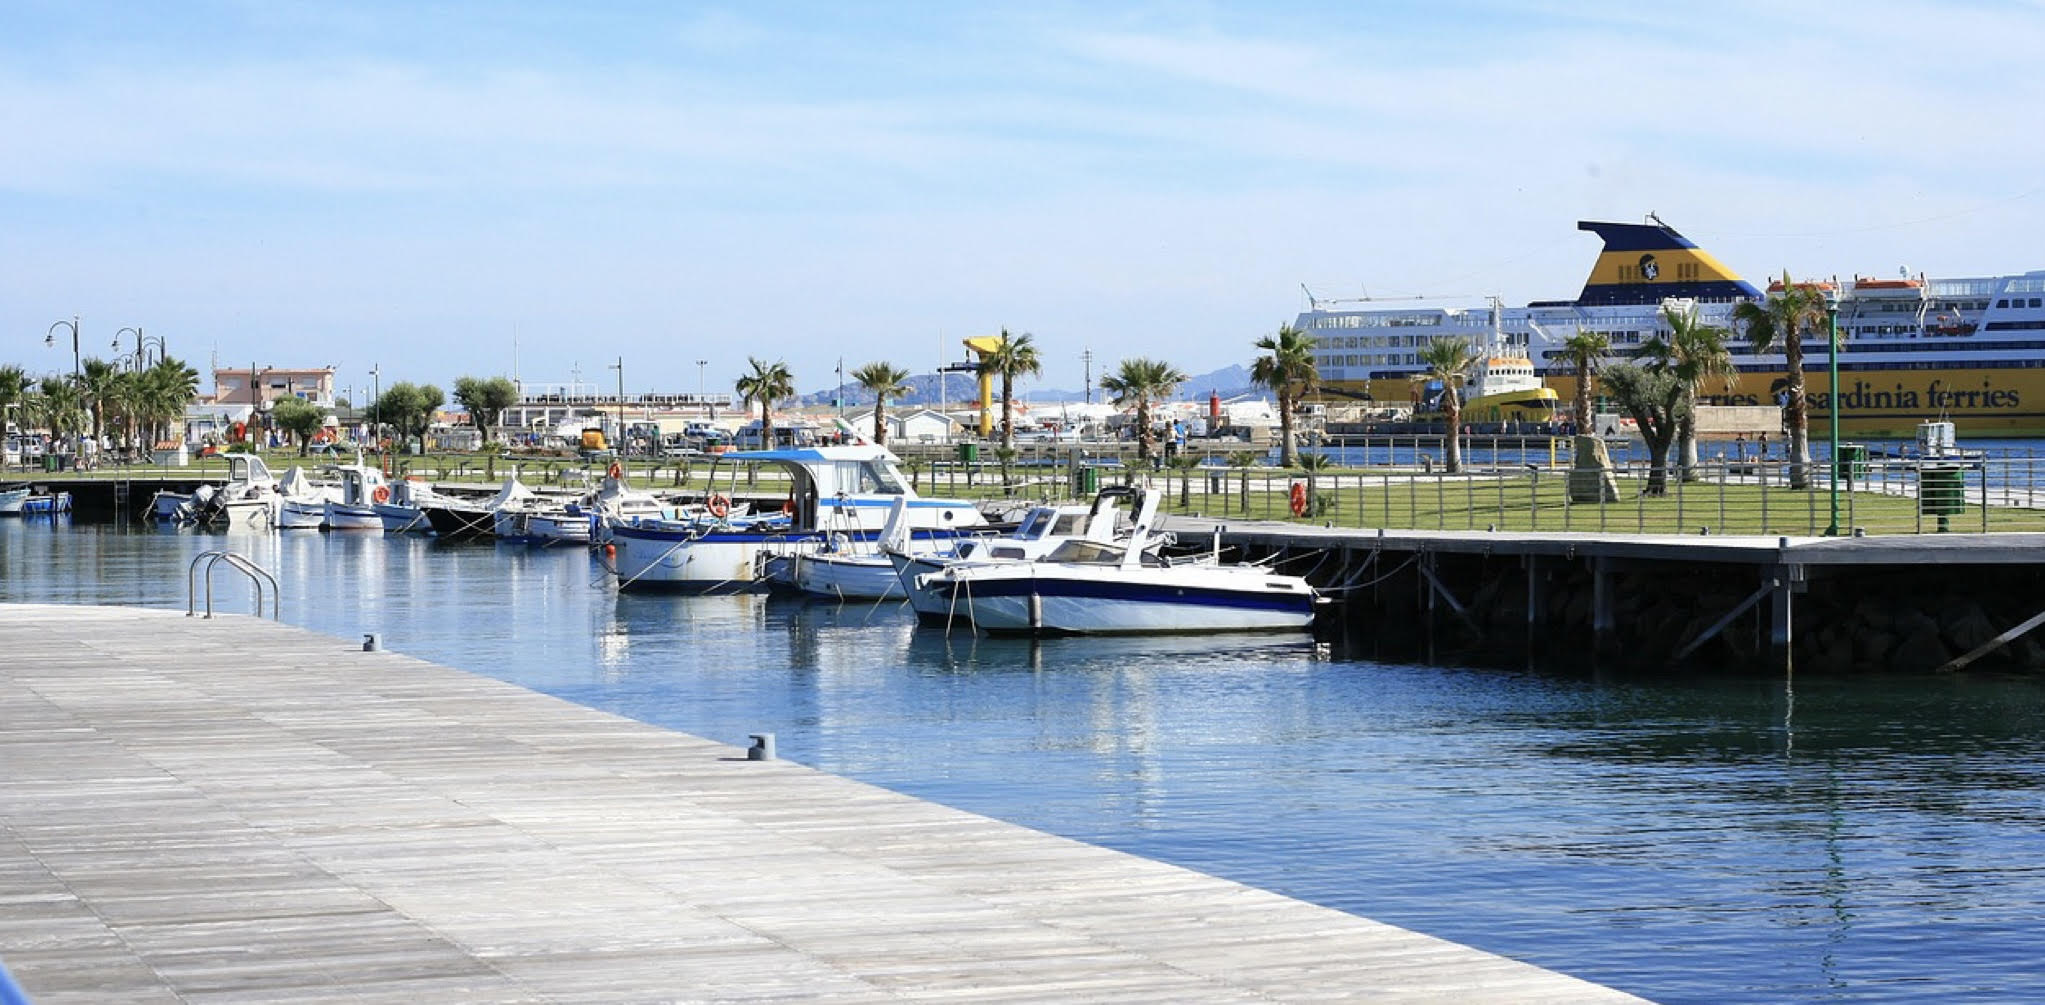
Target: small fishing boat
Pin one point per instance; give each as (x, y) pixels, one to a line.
(402, 509)
(46, 504)
(12, 501)
(302, 504)
(1087, 587)
(354, 507)
(250, 498)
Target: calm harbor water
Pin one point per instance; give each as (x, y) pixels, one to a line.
(1690, 838)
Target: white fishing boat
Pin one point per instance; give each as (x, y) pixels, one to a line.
(1087, 587)
(303, 504)
(250, 498)
(1037, 534)
(362, 488)
(13, 501)
(829, 490)
(401, 511)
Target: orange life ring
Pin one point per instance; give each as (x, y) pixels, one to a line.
(718, 505)
(1299, 499)
(617, 470)
(382, 494)
(788, 507)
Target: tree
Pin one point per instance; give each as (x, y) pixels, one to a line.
(301, 418)
(59, 406)
(883, 380)
(14, 391)
(485, 399)
(1446, 359)
(1585, 352)
(1697, 356)
(408, 409)
(1782, 320)
(767, 384)
(97, 383)
(1016, 356)
(1654, 397)
(166, 390)
(1288, 368)
(1139, 381)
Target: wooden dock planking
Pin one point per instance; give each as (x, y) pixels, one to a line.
(234, 810)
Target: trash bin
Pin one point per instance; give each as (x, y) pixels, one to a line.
(1217, 483)
(1941, 490)
(49, 462)
(1086, 481)
(969, 452)
(1851, 464)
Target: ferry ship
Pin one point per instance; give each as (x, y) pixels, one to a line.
(1911, 349)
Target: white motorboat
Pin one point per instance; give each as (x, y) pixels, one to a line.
(842, 569)
(1037, 534)
(831, 490)
(250, 498)
(362, 488)
(13, 501)
(304, 504)
(1087, 587)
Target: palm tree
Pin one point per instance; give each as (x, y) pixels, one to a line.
(98, 378)
(1446, 359)
(767, 384)
(1783, 320)
(59, 406)
(1016, 356)
(1287, 368)
(168, 388)
(1697, 355)
(1585, 351)
(883, 380)
(1140, 381)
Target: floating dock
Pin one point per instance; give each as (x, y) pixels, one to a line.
(234, 809)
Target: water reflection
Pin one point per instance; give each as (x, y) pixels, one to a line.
(1707, 837)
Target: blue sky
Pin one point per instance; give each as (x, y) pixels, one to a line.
(424, 186)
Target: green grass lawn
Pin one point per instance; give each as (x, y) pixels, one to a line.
(1519, 499)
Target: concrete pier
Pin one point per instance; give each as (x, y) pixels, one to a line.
(232, 809)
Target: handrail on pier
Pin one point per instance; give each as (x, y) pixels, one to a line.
(256, 574)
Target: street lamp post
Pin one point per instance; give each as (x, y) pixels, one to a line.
(143, 343)
(376, 407)
(77, 372)
(1832, 411)
(619, 447)
(701, 399)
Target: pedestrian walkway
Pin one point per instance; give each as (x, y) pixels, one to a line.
(231, 809)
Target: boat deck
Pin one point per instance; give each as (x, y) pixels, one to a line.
(232, 809)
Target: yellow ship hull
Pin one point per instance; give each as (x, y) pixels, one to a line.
(1982, 402)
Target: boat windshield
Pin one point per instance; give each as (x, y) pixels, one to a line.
(1085, 553)
(876, 478)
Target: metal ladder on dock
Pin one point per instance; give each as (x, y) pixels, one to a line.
(256, 574)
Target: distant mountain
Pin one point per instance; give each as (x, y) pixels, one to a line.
(1229, 382)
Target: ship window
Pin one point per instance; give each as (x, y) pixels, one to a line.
(2034, 301)
(2002, 303)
